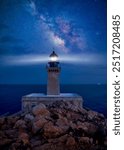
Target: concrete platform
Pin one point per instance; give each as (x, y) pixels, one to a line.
(33, 99)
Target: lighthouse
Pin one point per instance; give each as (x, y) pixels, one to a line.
(53, 70)
(53, 93)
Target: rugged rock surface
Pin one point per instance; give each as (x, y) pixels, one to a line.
(60, 126)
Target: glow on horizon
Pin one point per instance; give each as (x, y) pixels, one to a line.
(42, 59)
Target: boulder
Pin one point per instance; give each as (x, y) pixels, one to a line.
(73, 107)
(61, 139)
(38, 123)
(35, 143)
(95, 115)
(63, 123)
(11, 133)
(12, 120)
(85, 140)
(20, 124)
(29, 117)
(40, 110)
(88, 127)
(70, 142)
(73, 116)
(52, 131)
(86, 143)
(24, 137)
(92, 114)
(83, 111)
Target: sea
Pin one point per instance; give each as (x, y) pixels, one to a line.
(94, 96)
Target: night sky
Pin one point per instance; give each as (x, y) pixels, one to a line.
(31, 29)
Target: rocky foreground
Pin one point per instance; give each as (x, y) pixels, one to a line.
(61, 126)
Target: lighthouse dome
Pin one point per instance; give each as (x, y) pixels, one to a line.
(53, 57)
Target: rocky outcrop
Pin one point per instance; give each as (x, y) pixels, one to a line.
(60, 126)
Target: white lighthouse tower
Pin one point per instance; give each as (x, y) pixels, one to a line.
(53, 69)
(53, 89)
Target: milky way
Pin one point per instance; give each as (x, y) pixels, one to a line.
(31, 29)
(59, 30)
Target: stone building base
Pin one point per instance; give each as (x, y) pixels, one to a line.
(31, 100)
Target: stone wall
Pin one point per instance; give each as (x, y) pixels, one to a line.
(29, 102)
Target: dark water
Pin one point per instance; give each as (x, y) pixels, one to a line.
(95, 96)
